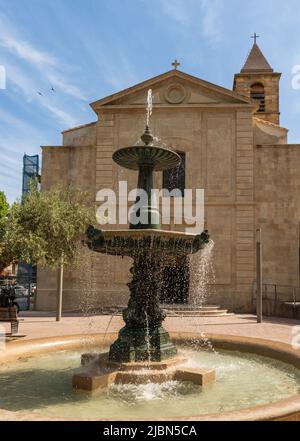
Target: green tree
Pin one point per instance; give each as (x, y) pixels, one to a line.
(4, 205)
(47, 225)
(45, 228)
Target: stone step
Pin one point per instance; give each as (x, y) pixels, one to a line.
(222, 312)
(173, 310)
(194, 311)
(187, 307)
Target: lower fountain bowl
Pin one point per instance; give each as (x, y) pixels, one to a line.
(129, 242)
(20, 353)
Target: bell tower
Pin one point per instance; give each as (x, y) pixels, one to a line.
(258, 81)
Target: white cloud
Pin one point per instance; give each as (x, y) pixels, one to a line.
(60, 83)
(30, 70)
(29, 88)
(27, 52)
(44, 65)
(64, 117)
(9, 162)
(20, 78)
(113, 65)
(176, 9)
(117, 77)
(206, 13)
(211, 25)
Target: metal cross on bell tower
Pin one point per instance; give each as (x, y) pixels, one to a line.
(175, 64)
(255, 37)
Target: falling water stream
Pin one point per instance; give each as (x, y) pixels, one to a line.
(203, 279)
(87, 287)
(148, 337)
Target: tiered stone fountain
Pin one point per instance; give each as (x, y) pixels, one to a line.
(142, 342)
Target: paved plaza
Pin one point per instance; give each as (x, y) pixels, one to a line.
(38, 325)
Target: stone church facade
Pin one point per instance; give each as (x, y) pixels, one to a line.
(234, 148)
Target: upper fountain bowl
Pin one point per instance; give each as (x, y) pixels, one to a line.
(135, 156)
(160, 158)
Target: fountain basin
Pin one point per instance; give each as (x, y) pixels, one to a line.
(283, 409)
(160, 158)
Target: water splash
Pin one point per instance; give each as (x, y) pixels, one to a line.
(203, 280)
(132, 394)
(87, 287)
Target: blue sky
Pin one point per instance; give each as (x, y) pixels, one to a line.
(87, 49)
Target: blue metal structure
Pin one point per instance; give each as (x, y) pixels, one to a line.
(26, 276)
(30, 171)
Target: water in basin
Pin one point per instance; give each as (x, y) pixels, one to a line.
(42, 384)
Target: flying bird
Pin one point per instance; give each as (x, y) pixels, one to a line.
(40, 93)
(52, 88)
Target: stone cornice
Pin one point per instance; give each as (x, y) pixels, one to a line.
(181, 106)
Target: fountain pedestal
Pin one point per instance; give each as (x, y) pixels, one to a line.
(100, 372)
(143, 338)
(132, 345)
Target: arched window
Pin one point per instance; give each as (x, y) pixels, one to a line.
(257, 92)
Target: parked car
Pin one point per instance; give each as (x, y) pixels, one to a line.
(21, 291)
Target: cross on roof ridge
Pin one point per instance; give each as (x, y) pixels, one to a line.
(175, 64)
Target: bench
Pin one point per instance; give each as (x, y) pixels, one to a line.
(10, 314)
